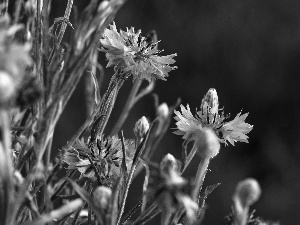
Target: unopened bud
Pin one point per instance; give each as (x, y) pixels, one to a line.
(7, 88)
(211, 101)
(141, 127)
(169, 168)
(103, 5)
(207, 143)
(162, 110)
(247, 192)
(169, 163)
(102, 196)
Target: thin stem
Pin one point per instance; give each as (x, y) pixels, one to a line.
(128, 105)
(65, 22)
(106, 106)
(202, 168)
(17, 11)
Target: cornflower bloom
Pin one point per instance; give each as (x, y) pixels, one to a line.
(106, 156)
(131, 52)
(212, 117)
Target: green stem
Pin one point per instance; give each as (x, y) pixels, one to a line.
(106, 106)
(131, 100)
(202, 168)
(64, 23)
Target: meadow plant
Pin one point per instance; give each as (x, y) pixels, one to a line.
(88, 180)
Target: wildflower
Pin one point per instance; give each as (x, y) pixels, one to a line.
(106, 156)
(211, 116)
(102, 196)
(141, 128)
(131, 52)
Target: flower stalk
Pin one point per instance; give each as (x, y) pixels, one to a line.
(106, 106)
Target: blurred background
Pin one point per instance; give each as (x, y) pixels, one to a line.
(249, 51)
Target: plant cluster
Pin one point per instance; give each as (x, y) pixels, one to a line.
(38, 75)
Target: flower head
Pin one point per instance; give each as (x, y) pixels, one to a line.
(212, 117)
(106, 155)
(130, 51)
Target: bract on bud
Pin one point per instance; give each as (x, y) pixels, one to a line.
(211, 100)
(7, 87)
(102, 196)
(247, 192)
(207, 143)
(162, 110)
(141, 127)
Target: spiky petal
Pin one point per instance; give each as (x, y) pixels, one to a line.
(130, 51)
(236, 129)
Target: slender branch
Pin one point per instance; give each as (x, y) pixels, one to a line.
(202, 168)
(65, 22)
(128, 105)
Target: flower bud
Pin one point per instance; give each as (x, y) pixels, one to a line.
(169, 163)
(162, 110)
(169, 168)
(207, 143)
(141, 127)
(211, 101)
(103, 5)
(247, 192)
(7, 88)
(102, 196)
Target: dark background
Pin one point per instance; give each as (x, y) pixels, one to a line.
(250, 52)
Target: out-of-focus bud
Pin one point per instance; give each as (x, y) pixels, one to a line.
(169, 169)
(30, 7)
(102, 196)
(18, 177)
(207, 143)
(169, 163)
(162, 110)
(211, 101)
(141, 128)
(7, 88)
(103, 5)
(247, 192)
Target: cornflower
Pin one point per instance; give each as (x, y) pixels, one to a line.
(106, 156)
(212, 117)
(131, 52)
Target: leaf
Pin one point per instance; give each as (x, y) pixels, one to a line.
(208, 190)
